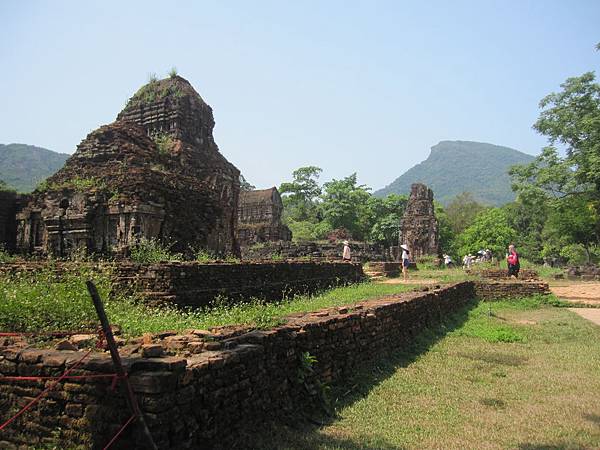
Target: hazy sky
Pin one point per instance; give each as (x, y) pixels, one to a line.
(365, 86)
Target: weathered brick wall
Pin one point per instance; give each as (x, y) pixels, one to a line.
(388, 268)
(495, 290)
(316, 250)
(193, 284)
(205, 400)
(500, 274)
(8, 226)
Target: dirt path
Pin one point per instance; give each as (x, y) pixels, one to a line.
(591, 314)
(577, 292)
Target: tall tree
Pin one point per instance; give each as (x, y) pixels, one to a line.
(385, 215)
(345, 205)
(462, 211)
(301, 194)
(570, 184)
(490, 229)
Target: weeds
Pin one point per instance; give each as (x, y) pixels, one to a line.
(164, 143)
(203, 256)
(4, 255)
(151, 251)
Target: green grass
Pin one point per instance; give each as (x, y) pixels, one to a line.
(547, 273)
(441, 275)
(464, 386)
(41, 302)
(150, 251)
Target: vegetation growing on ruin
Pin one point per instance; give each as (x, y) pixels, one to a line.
(164, 143)
(151, 251)
(156, 90)
(4, 255)
(77, 184)
(42, 302)
(494, 376)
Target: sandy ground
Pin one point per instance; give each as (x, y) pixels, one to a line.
(591, 314)
(578, 292)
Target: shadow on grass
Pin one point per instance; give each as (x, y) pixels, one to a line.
(304, 431)
(566, 446)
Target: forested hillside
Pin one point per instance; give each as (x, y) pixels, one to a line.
(23, 166)
(454, 167)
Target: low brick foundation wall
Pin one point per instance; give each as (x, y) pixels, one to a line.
(194, 284)
(502, 274)
(389, 269)
(206, 399)
(360, 251)
(496, 290)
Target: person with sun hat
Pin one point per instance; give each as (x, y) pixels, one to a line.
(405, 260)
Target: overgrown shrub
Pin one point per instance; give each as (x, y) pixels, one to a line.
(164, 143)
(149, 251)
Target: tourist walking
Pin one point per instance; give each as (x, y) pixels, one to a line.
(405, 260)
(346, 254)
(448, 261)
(512, 259)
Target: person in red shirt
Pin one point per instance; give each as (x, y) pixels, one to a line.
(512, 259)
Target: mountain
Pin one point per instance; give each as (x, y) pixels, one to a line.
(23, 166)
(454, 167)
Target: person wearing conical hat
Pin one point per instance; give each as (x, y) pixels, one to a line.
(405, 260)
(346, 255)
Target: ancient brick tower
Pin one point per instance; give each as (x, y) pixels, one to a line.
(259, 217)
(155, 172)
(419, 227)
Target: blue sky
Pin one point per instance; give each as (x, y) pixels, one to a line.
(349, 86)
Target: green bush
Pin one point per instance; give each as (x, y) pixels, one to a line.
(164, 143)
(203, 256)
(149, 251)
(4, 255)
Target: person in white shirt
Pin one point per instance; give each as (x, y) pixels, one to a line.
(346, 255)
(405, 260)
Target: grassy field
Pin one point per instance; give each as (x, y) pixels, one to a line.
(40, 302)
(519, 375)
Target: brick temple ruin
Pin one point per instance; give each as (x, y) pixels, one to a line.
(259, 217)
(156, 172)
(419, 227)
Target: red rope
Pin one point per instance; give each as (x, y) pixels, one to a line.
(120, 431)
(70, 377)
(45, 391)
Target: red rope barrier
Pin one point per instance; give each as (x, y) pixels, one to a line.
(119, 432)
(70, 377)
(45, 391)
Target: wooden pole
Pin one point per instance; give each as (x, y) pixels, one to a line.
(116, 358)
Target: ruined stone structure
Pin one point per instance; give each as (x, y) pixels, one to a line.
(259, 217)
(8, 200)
(419, 227)
(228, 383)
(10, 204)
(155, 172)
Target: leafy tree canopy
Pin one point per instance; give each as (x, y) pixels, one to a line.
(564, 191)
(300, 196)
(462, 211)
(346, 205)
(491, 229)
